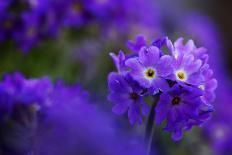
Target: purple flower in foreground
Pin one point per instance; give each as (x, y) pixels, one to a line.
(126, 96)
(179, 106)
(149, 69)
(187, 70)
(182, 78)
(83, 127)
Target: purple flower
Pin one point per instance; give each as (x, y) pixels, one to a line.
(126, 96)
(3, 5)
(180, 106)
(83, 127)
(29, 34)
(208, 85)
(7, 26)
(138, 44)
(15, 89)
(180, 50)
(187, 62)
(119, 61)
(182, 78)
(150, 69)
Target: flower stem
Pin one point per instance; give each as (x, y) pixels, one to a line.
(150, 128)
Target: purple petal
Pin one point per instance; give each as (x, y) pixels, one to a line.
(145, 108)
(134, 113)
(162, 109)
(118, 60)
(161, 84)
(211, 85)
(177, 135)
(117, 83)
(163, 67)
(190, 46)
(138, 44)
(118, 97)
(149, 56)
(195, 79)
(120, 108)
(193, 66)
(134, 64)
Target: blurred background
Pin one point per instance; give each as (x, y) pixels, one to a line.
(70, 40)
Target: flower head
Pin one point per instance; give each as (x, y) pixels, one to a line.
(179, 106)
(126, 96)
(150, 69)
(181, 78)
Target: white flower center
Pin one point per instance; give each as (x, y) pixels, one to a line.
(202, 87)
(181, 75)
(150, 73)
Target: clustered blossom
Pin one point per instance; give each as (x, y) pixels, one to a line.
(38, 20)
(34, 111)
(26, 102)
(181, 77)
(15, 90)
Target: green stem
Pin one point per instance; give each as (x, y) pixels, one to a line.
(150, 128)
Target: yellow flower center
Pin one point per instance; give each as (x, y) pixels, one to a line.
(7, 24)
(181, 75)
(202, 87)
(30, 31)
(176, 100)
(77, 7)
(150, 73)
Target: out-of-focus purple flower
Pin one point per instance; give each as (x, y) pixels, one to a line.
(179, 106)
(15, 89)
(126, 96)
(132, 18)
(4, 4)
(149, 69)
(29, 34)
(75, 13)
(20, 101)
(7, 26)
(82, 126)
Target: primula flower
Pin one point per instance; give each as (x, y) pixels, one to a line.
(126, 96)
(119, 61)
(181, 79)
(150, 69)
(179, 106)
(208, 85)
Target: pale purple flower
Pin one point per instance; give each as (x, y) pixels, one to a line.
(150, 69)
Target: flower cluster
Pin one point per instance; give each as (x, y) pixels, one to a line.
(28, 22)
(36, 20)
(15, 90)
(179, 76)
(34, 111)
